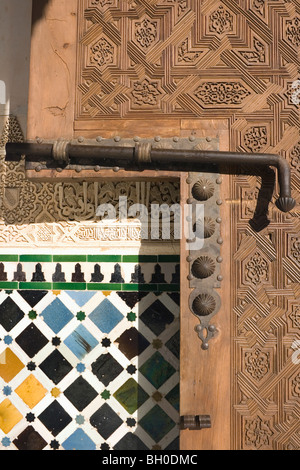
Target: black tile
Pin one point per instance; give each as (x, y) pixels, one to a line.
(157, 317)
(132, 298)
(97, 276)
(130, 442)
(80, 393)
(31, 340)
(175, 296)
(19, 275)
(132, 343)
(106, 421)
(106, 368)
(29, 439)
(33, 297)
(174, 445)
(137, 277)
(158, 277)
(58, 276)
(38, 275)
(78, 276)
(56, 366)
(10, 314)
(176, 275)
(116, 277)
(3, 274)
(55, 418)
(173, 344)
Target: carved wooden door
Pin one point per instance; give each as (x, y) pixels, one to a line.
(225, 72)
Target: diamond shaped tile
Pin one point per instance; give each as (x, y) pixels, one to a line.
(106, 368)
(130, 442)
(173, 397)
(131, 395)
(79, 440)
(30, 439)
(9, 416)
(55, 418)
(10, 314)
(33, 297)
(81, 297)
(157, 370)
(157, 423)
(157, 317)
(174, 344)
(31, 340)
(106, 421)
(81, 342)
(57, 315)
(132, 343)
(56, 366)
(106, 316)
(31, 391)
(80, 393)
(10, 365)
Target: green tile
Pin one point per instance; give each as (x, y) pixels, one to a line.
(69, 286)
(169, 258)
(131, 396)
(140, 287)
(139, 259)
(69, 258)
(9, 285)
(104, 287)
(157, 423)
(9, 258)
(36, 258)
(168, 287)
(35, 286)
(104, 258)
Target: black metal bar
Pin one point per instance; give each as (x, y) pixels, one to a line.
(157, 158)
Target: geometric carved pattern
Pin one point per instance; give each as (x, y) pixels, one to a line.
(210, 59)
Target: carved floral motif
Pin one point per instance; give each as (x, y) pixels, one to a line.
(221, 21)
(257, 269)
(293, 31)
(184, 54)
(295, 316)
(295, 249)
(296, 386)
(227, 93)
(146, 32)
(258, 433)
(258, 6)
(257, 55)
(256, 138)
(257, 363)
(295, 157)
(102, 53)
(146, 92)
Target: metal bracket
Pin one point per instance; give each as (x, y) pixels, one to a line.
(195, 423)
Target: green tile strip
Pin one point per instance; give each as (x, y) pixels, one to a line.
(40, 258)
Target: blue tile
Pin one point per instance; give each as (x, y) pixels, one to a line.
(79, 440)
(81, 342)
(57, 315)
(106, 316)
(81, 298)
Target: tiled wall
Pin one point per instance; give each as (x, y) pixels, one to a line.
(89, 352)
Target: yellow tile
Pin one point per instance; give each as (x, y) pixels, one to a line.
(55, 392)
(9, 416)
(106, 293)
(10, 365)
(31, 391)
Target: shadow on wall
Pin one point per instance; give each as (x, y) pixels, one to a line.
(39, 7)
